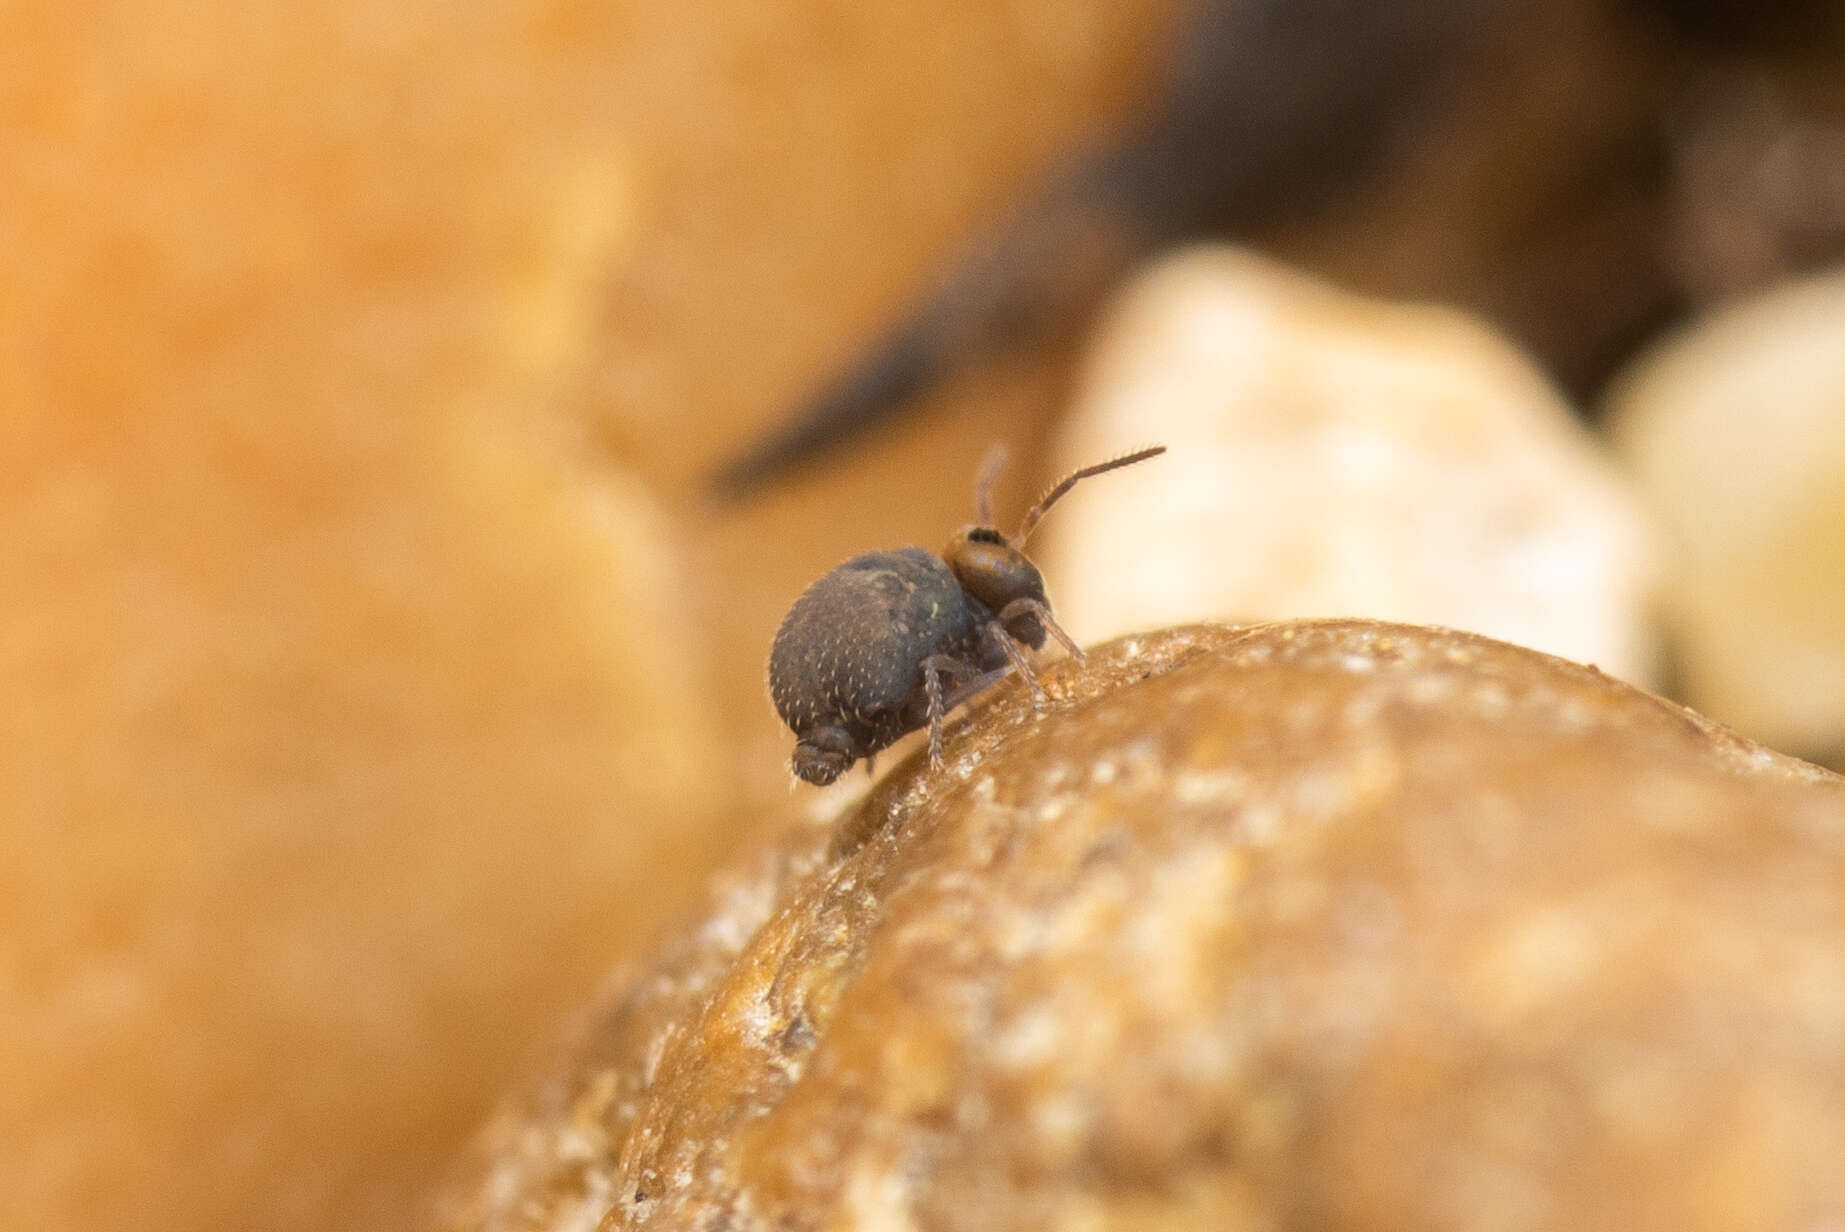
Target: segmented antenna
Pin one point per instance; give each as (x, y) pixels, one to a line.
(985, 481)
(1037, 512)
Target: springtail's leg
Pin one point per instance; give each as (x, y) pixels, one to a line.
(1016, 654)
(934, 668)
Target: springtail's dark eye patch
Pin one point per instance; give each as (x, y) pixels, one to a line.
(985, 534)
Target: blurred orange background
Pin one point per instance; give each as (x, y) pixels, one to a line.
(372, 672)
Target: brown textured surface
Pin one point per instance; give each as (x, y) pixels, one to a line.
(1333, 924)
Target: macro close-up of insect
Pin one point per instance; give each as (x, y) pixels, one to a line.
(890, 641)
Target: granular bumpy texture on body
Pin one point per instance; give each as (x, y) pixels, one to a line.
(852, 641)
(1334, 925)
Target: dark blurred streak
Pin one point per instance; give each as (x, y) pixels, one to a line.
(1268, 112)
(1027, 280)
(1270, 109)
(1275, 107)
(1778, 26)
(1605, 262)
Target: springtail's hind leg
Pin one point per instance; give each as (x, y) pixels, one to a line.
(1021, 607)
(1016, 655)
(934, 668)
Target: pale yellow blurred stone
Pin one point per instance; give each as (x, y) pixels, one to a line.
(1737, 430)
(1332, 455)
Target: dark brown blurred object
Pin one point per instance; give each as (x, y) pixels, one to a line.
(1592, 127)
(1341, 924)
(1266, 111)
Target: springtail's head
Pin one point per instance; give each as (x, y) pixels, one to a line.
(994, 568)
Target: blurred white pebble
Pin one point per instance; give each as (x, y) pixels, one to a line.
(1333, 455)
(1736, 428)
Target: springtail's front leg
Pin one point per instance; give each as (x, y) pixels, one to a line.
(1015, 654)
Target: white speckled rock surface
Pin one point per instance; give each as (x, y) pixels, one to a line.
(1322, 925)
(1334, 455)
